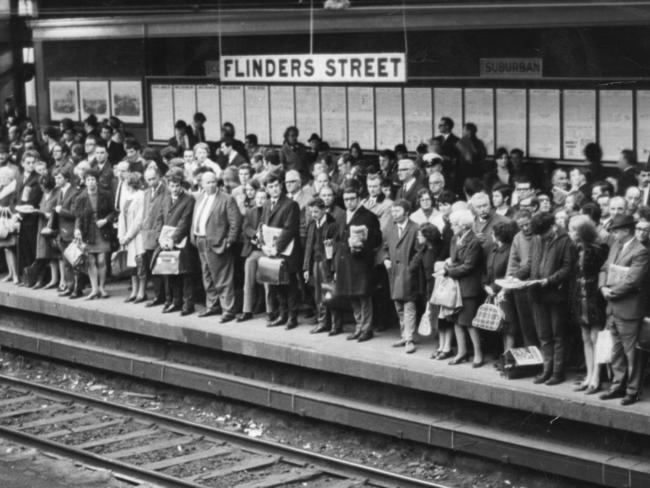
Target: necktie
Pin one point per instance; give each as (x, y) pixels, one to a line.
(399, 232)
(117, 198)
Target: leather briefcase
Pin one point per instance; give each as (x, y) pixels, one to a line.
(272, 271)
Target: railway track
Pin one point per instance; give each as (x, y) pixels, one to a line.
(166, 451)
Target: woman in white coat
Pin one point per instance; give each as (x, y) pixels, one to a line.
(128, 233)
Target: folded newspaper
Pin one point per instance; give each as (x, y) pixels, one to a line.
(515, 283)
(270, 236)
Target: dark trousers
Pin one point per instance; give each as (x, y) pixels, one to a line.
(383, 311)
(320, 273)
(179, 290)
(550, 323)
(524, 317)
(284, 298)
(625, 368)
(27, 237)
(362, 310)
(157, 281)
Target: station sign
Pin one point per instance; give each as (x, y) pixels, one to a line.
(511, 68)
(319, 68)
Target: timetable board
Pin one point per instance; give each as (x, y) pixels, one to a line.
(545, 123)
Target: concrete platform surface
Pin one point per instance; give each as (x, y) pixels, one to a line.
(373, 360)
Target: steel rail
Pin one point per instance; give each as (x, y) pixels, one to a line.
(328, 463)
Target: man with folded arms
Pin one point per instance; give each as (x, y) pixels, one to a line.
(622, 282)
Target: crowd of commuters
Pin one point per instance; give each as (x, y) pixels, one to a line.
(370, 235)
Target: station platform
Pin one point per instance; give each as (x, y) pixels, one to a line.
(374, 360)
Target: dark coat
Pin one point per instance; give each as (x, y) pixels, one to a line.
(554, 261)
(106, 179)
(485, 230)
(295, 157)
(467, 263)
(329, 231)
(411, 195)
(626, 179)
(173, 142)
(496, 266)
(29, 192)
(66, 217)
(179, 215)
(286, 216)
(354, 270)
(250, 224)
(403, 278)
(587, 302)
(153, 215)
(86, 220)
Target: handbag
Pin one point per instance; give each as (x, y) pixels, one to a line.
(31, 274)
(118, 262)
(488, 316)
(75, 253)
(167, 263)
(272, 271)
(446, 292)
(7, 223)
(604, 346)
(424, 328)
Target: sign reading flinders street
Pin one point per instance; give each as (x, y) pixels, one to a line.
(309, 68)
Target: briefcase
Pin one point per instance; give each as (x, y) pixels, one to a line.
(272, 271)
(166, 263)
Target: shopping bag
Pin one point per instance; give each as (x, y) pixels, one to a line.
(604, 346)
(424, 329)
(7, 223)
(75, 253)
(446, 292)
(118, 263)
(167, 263)
(488, 317)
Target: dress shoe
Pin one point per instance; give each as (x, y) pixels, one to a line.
(207, 312)
(129, 299)
(591, 390)
(171, 308)
(581, 387)
(629, 400)
(353, 337)
(292, 324)
(478, 364)
(444, 355)
(309, 313)
(93, 295)
(227, 317)
(410, 347)
(334, 332)
(541, 378)
(319, 329)
(141, 300)
(103, 294)
(38, 285)
(75, 294)
(50, 286)
(243, 317)
(366, 336)
(460, 359)
(154, 303)
(556, 379)
(280, 320)
(400, 343)
(187, 311)
(609, 395)
(65, 293)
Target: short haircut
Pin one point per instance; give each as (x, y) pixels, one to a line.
(403, 204)
(175, 175)
(430, 233)
(605, 187)
(471, 127)
(517, 151)
(132, 143)
(472, 185)
(502, 151)
(180, 124)
(629, 156)
(642, 168)
(400, 148)
(228, 141)
(523, 213)
(447, 121)
(199, 117)
(252, 138)
(463, 217)
(593, 152)
(272, 177)
(316, 202)
(387, 153)
(47, 182)
(505, 190)
(423, 192)
(479, 198)
(585, 227)
(505, 231)
(542, 222)
(447, 196)
(101, 143)
(134, 180)
(64, 173)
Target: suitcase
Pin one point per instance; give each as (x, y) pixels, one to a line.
(272, 271)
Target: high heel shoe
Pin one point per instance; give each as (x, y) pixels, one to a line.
(129, 299)
(444, 355)
(92, 296)
(49, 286)
(7, 278)
(581, 387)
(591, 389)
(460, 359)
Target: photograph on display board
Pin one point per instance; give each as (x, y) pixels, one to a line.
(94, 99)
(64, 100)
(126, 99)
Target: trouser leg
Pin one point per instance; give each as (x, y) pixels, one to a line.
(545, 334)
(524, 308)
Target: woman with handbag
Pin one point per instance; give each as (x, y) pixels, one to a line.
(94, 214)
(46, 251)
(465, 264)
(8, 222)
(587, 303)
(495, 268)
(129, 224)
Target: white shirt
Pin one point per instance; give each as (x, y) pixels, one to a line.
(401, 228)
(349, 215)
(202, 216)
(408, 185)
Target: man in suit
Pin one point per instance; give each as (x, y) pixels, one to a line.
(450, 153)
(156, 198)
(317, 266)
(293, 154)
(485, 220)
(215, 229)
(400, 245)
(64, 209)
(625, 306)
(626, 165)
(355, 260)
(410, 184)
(106, 177)
(376, 202)
(177, 213)
(197, 128)
(182, 139)
(232, 157)
(282, 213)
(228, 132)
(643, 181)
(115, 149)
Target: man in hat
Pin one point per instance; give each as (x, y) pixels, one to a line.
(622, 282)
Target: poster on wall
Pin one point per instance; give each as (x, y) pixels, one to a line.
(418, 116)
(184, 103)
(334, 116)
(390, 127)
(361, 116)
(643, 125)
(579, 122)
(257, 112)
(94, 99)
(511, 119)
(64, 100)
(126, 101)
(544, 121)
(232, 108)
(162, 112)
(308, 111)
(207, 102)
(448, 102)
(616, 122)
(282, 112)
(479, 110)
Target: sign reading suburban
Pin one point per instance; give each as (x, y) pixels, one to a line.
(309, 68)
(511, 68)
